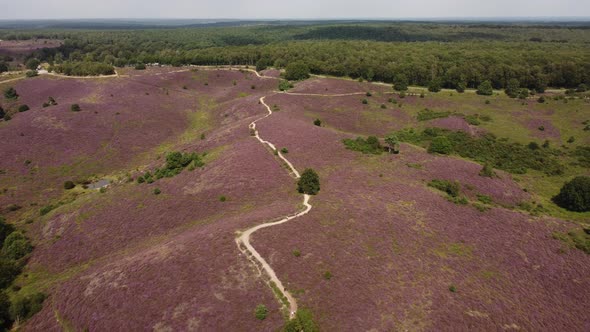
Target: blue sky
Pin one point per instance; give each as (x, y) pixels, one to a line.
(36, 9)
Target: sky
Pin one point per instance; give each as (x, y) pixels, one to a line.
(294, 9)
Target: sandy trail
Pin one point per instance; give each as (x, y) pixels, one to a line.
(243, 240)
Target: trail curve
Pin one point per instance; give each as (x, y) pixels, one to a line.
(243, 240)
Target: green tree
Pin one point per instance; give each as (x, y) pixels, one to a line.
(9, 269)
(575, 195)
(485, 88)
(16, 246)
(461, 86)
(296, 71)
(440, 144)
(435, 85)
(5, 230)
(512, 88)
(392, 143)
(5, 320)
(32, 64)
(10, 94)
(400, 83)
(487, 171)
(309, 183)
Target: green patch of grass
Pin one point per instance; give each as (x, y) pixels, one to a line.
(455, 249)
(579, 239)
(279, 294)
(451, 188)
(370, 145)
(428, 114)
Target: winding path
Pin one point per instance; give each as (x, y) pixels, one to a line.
(243, 240)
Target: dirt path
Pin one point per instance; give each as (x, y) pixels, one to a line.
(243, 240)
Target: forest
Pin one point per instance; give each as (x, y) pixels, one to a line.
(452, 55)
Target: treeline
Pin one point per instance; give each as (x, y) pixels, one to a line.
(342, 50)
(83, 68)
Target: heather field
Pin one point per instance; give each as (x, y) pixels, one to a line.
(381, 248)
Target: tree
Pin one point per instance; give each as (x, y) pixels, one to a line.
(296, 71)
(16, 246)
(10, 93)
(5, 320)
(487, 171)
(392, 143)
(32, 64)
(575, 195)
(512, 88)
(5, 230)
(440, 144)
(9, 269)
(309, 183)
(75, 108)
(400, 83)
(485, 88)
(461, 86)
(435, 85)
(523, 93)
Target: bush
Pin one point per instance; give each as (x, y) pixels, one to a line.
(5, 320)
(32, 64)
(16, 246)
(284, 150)
(364, 101)
(327, 275)
(5, 230)
(157, 191)
(261, 312)
(10, 94)
(541, 100)
(46, 209)
(317, 122)
(31, 73)
(400, 83)
(452, 289)
(485, 89)
(303, 321)
(296, 253)
(69, 185)
(461, 87)
(575, 195)
(370, 145)
(140, 66)
(23, 108)
(487, 171)
(25, 307)
(440, 144)
(452, 188)
(309, 183)
(9, 270)
(296, 71)
(285, 85)
(427, 114)
(435, 85)
(222, 198)
(75, 108)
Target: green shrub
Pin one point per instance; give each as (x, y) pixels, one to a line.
(23, 108)
(485, 89)
(9, 270)
(261, 312)
(46, 209)
(364, 101)
(487, 171)
(69, 185)
(5, 230)
(222, 198)
(452, 188)
(368, 94)
(317, 122)
(369, 146)
(5, 319)
(435, 85)
(157, 191)
(75, 108)
(440, 144)
(10, 94)
(16, 246)
(309, 183)
(327, 275)
(303, 321)
(285, 85)
(461, 86)
(296, 253)
(296, 71)
(427, 114)
(575, 195)
(31, 73)
(484, 199)
(25, 307)
(284, 150)
(452, 289)
(140, 66)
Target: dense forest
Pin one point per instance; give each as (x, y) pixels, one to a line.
(538, 56)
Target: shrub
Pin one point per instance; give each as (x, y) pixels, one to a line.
(485, 89)
(571, 139)
(5, 320)
(309, 183)
(541, 100)
(5, 230)
(541, 128)
(452, 289)
(452, 188)
(261, 312)
(303, 321)
(32, 64)
(75, 108)
(461, 86)
(253, 87)
(140, 66)
(296, 253)
(9, 270)
(69, 185)
(484, 199)
(364, 101)
(440, 144)
(575, 195)
(400, 83)
(31, 73)
(10, 94)
(23, 108)
(284, 150)
(157, 191)
(17, 248)
(427, 114)
(317, 122)
(285, 85)
(370, 145)
(25, 307)
(327, 275)
(46, 209)
(435, 85)
(222, 198)
(487, 171)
